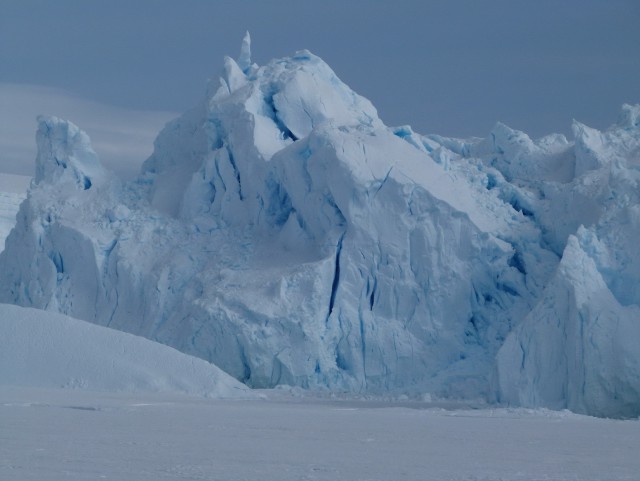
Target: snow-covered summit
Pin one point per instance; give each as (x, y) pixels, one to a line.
(281, 231)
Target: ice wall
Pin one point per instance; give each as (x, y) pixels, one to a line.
(577, 349)
(281, 231)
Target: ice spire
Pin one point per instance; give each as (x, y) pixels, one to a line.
(244, 60)
(64, 151)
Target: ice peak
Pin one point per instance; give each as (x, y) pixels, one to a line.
(629, 116)
(244, 60)
(64, 151)
(289, 96)
(506, 140)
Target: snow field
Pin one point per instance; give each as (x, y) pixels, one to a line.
(71, 435)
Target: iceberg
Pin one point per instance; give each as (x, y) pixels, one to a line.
(577, 348)
(283, 232)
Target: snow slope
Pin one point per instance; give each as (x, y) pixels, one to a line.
(281, 231)
(13, 190)
(47, 350)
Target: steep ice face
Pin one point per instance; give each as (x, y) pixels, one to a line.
(65, 154)
(297, 241)
(576, 348)
(243, 122)
(326, 182)
(283, 232)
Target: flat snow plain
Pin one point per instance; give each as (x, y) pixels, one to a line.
(57, 434)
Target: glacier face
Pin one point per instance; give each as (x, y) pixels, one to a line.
(281, 231)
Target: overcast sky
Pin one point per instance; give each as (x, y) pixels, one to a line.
(451, 67)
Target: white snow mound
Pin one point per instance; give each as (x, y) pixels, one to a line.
(44, 349)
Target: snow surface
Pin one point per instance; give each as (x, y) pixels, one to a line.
(48, 350)
(281, 231)
(52, 435)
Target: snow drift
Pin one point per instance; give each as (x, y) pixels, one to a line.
(43, 349)
(281, 231)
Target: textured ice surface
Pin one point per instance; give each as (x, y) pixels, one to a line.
(281, 231)
(577, 348)
(47, 350)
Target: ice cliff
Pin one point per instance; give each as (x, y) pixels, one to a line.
(282, 232)
(578, 348)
